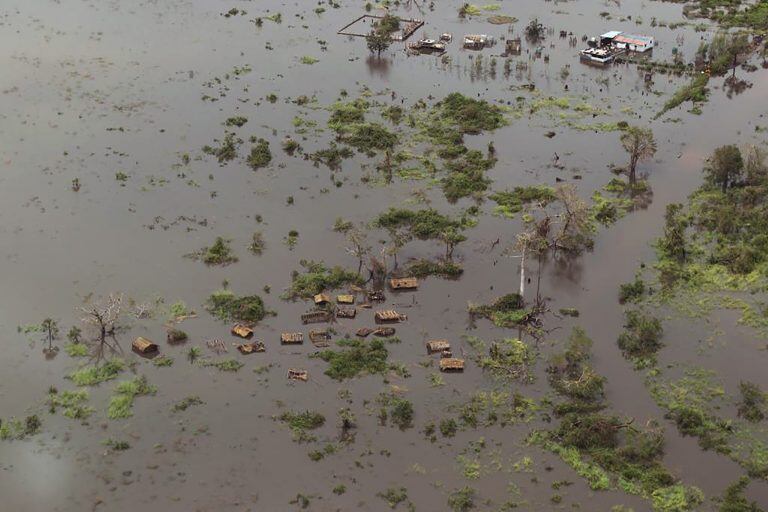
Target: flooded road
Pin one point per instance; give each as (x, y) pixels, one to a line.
(122, 97)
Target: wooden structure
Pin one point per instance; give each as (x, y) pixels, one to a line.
(514, 46)
(450, 364)
(435, 346)
(292, 338)
(296, 374)
(144, 346)
(408, 27)
(404, 283)
(242, 331)
(320, 337)
(314, 317)
(384, 332)
(389, 315)
(345, 299)
(346, 313)
(250, 348)
(363, 332)
(322, 298)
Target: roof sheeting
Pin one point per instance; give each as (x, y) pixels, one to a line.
(611, 34)
(633, 39)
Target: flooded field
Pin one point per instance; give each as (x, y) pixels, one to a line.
(170, 168)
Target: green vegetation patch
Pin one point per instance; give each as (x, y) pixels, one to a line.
(301, 423)
(357, 357)
(506, 311)
(73, 403)
(317, 278)
(121, 403)
(96, 374)
(226, 306)
(260, 155)
(511, 202)
(16, 429)
(220, 253)
(443, 268)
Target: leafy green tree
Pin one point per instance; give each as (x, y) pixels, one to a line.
(378, 42)
(641, 145)
(726, 167)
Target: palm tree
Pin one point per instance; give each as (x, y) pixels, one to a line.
(640, 145)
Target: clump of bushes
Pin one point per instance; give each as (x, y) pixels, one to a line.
(317, 278)
(227, 150)
(260, 155)
(220, 253)
(632, 292)
(424, 268)
(300, 423)
(226, 306)
(356, 358)
(506, 311)
(470, 115)
(641, 338)
(512, 201)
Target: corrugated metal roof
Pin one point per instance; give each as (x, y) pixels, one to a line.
(633, 39)
(611, 34)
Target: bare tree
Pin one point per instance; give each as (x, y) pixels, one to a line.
(101, 317)
(358, 246)
(640, 145)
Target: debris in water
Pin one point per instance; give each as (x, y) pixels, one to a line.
(292, 338)
(450, 364)
(435, 346)
(144, 346)
(242, 330)
(295, 374)
(389, 315)
(404, 283)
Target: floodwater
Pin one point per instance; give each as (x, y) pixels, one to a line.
(93, 88)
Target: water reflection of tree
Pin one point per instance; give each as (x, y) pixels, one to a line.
(378, 66)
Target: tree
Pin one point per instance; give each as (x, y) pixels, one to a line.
(640, 145)
(102, 317)
(755, 168)
(575, 221)
(726, 167)
(724, 51)
(378, 42)
(673, 244)
(358, 246)
(451, 237)
(51, 331)
(534, 31)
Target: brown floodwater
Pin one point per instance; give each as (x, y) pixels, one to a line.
(93, 88)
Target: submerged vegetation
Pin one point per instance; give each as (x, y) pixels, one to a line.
(225, 305)
(357, 357)
(317, 278)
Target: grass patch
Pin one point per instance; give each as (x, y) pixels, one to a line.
(121, 403)
(93, 375)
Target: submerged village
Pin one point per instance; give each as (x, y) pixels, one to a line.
(384, 255)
